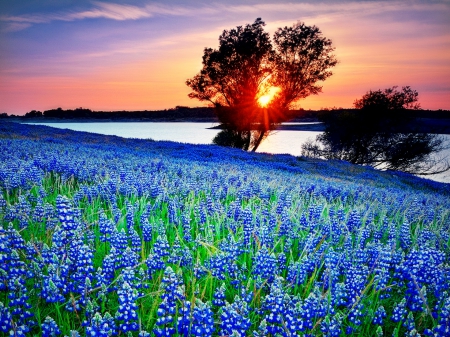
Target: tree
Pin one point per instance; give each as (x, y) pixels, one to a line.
(253, 84)
(379, 133)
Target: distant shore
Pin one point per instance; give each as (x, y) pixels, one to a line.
(110, 120)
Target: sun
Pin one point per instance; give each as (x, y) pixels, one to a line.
(264, 100)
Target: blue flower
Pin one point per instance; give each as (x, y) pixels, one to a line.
(399, 313)
(127, 312)
(219, 296)
(202, 320)
(172, 292)
(5, 319)
(105, 227)
(101, 326)
(379, 316)
(265, 264)
(50, 328)
(234, 318)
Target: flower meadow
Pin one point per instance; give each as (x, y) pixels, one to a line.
(105, 236)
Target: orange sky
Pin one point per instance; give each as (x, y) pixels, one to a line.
(106, 56)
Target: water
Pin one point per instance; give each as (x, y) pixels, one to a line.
(289, 142)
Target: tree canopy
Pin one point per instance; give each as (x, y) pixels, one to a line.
(253, 82)
(377, 133)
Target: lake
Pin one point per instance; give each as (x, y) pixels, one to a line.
(199, 133)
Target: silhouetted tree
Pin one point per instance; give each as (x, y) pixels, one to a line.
(34, 113)
(378, 134)
(246, 68)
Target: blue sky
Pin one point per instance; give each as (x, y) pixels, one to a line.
(137, 54)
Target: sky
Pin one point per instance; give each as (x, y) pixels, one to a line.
(137, 55)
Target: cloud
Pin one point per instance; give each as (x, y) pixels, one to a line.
(111, 11)
(121, 12)
(15, 26)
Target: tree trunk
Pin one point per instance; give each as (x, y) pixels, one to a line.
(259, 140)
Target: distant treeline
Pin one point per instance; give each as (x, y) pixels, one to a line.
(182, 112)
(81, 113)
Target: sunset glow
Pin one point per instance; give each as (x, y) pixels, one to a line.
(114, 56)
(265, 99)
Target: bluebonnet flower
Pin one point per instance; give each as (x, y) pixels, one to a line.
(66, 215)
(106, 274)
(154, 263)
(53, 286)
(105, 227)
(116, 212)
(262, 330)
(219, 265)
(83, 268)
(186, 223)
(5, 319)
(338, 295)
(315, 212)
(285, 224)
(234, 318)
(410, 324)
(119, 240)
(354, 221)
(312, 308)
(355, 282)
(405, 236)
(331, 274)
(423, 267)
(202, 320)
(265, 264)
(275, 305)
(161, 247)
(175, 254)
(331, 327)
(18, 303)
(2, 203)
(201, 217)
(443, 318)
(265, 236)
(184, 319)
(101, 326)
(172, 211)
(38, 213)
(129, 216)
(128, 259)
(14, 239)
(219, 296)
(147, 229)
(50, 328)
(172, 292)
(247, 221)
(379, 315)
(364, 236)
(399, 313)
(299, 271)
(126, 314)
(281, 261)
(199, 271)
(356, 314)
(128, 275)
(14, 267)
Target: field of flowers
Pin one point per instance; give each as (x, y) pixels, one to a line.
(105, 236)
